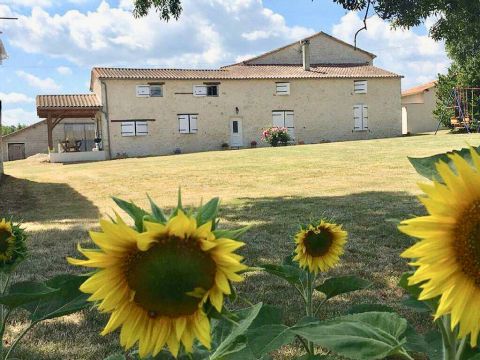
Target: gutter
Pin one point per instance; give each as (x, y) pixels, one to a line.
(105, 112)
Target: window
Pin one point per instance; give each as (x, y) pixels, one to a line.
(284, 118)
(283, 89)
(205, 90)
(154, 90)
(360, 117)
(134, 128)
(360, 86)
(187, 123)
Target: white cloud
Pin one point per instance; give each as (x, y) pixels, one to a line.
(208, 34)
(418, 57)
(46, 84)
(15, 98)
(64, 70)
(18, 116)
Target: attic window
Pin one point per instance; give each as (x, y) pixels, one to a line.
(205, 90)
(360, 86)
(283, 88)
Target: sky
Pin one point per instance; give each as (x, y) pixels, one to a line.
(55, 43)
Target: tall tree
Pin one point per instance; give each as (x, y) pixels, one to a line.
(165, 8)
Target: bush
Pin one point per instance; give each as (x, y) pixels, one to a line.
(275, 135)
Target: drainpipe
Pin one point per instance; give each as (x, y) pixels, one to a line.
(107, 119)
(306, 54)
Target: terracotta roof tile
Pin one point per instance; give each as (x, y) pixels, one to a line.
(420, 88)
(241, 72)
(77, 101)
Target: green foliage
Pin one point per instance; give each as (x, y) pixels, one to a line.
(8, 129)
(342, 285)
(372, 335)
(426, 166)
(165, 8)
(20, 250)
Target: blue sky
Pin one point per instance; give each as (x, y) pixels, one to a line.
(55, 43)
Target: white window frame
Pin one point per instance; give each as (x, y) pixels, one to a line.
(361, 119)
(284, 122)
(360, 86)
(202, 90)
(191, 123)
(143, 90)
(138, 128)
(282, 88)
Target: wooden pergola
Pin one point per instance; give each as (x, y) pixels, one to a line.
(55, 108)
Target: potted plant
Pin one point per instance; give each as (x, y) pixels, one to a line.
(253, 144)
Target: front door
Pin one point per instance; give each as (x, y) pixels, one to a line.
(16, 151)
(236, 132)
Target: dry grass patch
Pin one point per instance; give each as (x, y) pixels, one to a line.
(366, 185)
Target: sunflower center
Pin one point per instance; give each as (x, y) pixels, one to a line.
(5, 235)
(467, 244)
(318, 242)
(170, 277)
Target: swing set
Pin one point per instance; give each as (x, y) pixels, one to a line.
(465, 108)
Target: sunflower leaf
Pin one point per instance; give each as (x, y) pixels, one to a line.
(157, 213)
(231, 234)
(268, 338)
(25, 292)
(414, 292)
(372, 335)
(116, 357)
(427, 166)
(361, 308)
(292, 274)
(208, 212)
(232, 340)
(342, 285)
(135, 212)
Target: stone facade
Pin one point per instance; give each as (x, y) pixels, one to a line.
(34, 137)
(419, 111)
(323, 111)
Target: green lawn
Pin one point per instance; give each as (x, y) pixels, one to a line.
(366, 185)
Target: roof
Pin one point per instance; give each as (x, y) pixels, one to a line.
(242, 72)
(307, 38)
(77, 101)
(420, 88)
(24, 129)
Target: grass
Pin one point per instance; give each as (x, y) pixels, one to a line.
(366, 185)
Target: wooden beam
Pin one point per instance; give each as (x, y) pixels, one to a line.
(49, 132)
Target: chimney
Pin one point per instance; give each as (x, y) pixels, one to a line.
(306, 54)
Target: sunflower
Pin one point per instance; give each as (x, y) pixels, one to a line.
(12, 245)
(447, 256)
(155, 283)
(320, 246)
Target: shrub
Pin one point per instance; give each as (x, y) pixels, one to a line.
(275, 135)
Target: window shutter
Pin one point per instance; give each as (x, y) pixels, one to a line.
(365, 118)
(183, 127)
(283, 88)
(199, 90)
(141, 128)
(156, 90)
(143, 90)
(289, 123)
(357, 117)
(193, 124)
(360, 86)
(278, 118)
(128, 128)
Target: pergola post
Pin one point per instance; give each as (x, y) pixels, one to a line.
(50, 132)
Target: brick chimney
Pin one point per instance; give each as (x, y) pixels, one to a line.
(306, 54)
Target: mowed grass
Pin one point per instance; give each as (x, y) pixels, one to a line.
(366, 185)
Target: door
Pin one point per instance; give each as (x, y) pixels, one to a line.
(236, 132)
(16, 152)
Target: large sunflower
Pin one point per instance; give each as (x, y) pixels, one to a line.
(448, 254)
(320, 246)
(155, 283)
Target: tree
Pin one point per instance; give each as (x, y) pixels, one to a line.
(166, 8)
(8, 129)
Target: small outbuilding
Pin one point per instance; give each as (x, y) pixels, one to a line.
(418, 104)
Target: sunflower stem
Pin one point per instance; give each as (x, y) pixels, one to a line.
(461, 348)
(5, 280)
(449, 338)
(17, 340)
(309, 305)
